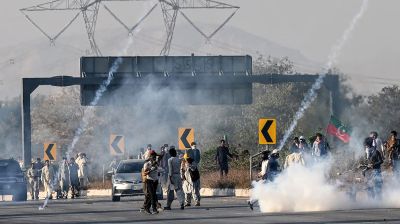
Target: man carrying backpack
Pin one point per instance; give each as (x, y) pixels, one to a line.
(191, 177)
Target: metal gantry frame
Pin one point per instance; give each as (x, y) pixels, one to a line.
(29, 85)
(90, 9)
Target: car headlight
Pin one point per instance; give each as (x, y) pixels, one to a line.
(116, 181)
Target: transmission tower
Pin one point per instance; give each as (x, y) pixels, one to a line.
(90, 9)
(170, 9)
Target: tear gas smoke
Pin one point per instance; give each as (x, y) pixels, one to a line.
(89, 111)
(99, 93)
(301, 189)
(103, 87)
(332, 58)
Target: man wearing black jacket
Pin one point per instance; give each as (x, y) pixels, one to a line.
(222, 158)
(375, 160)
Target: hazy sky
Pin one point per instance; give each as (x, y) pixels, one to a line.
(310, 26)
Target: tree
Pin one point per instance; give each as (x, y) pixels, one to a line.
(10, 128)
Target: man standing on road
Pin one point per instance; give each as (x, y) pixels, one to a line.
(83, 175)
(164, 166)
(175, 181)
(191, 186)
(375, 160)
(47, 179)
(73, 178)
(33, 176)
(221, 158)
(151, 171)
(194, 153)
(377, 142)
(63, 176)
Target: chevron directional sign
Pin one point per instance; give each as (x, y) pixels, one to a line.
(267, 131)
(117, 145)
(185, 137)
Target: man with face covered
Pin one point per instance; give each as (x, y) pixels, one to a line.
(194, 153)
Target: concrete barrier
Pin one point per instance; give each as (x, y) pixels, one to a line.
(224, 192)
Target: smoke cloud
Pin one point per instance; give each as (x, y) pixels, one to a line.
(332, 58)
(305, 188)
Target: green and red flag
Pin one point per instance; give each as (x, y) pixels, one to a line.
(338, 129)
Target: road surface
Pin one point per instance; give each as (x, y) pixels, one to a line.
(212, 210)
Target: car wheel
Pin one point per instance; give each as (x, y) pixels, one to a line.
(115, 198)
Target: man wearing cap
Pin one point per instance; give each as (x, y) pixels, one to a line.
(273, 166)
(151, 171)
(191, 178)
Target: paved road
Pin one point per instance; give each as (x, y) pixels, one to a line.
(213, 210)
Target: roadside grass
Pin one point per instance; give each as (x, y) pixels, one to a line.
(237, 178)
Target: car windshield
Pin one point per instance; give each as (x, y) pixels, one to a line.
(9, 168)
(133, 167)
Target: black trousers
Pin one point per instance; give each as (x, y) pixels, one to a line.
(150, 197)
(223, 169)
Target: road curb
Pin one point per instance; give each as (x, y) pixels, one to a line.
(205, 192)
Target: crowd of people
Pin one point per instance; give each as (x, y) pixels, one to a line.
(176, 173)
(68, 176)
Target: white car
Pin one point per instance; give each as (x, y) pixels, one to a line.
(127, 180)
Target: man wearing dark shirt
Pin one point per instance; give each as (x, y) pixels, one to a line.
(375, 160)
(222, 158)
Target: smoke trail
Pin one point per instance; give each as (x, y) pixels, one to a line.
(89, 111)
(332, 58)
